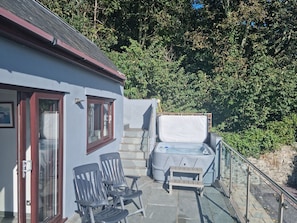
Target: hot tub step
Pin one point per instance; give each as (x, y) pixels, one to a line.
(186, 183)
(198, 183)
(184, 169)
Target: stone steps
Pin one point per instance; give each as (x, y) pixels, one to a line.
(133, 147)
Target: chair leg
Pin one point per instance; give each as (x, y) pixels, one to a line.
(141, 205)
(122, 203)
(123, 207)
(116, 201)
(91, 215)
(125, 220)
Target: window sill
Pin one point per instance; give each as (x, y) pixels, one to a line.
(93, 148)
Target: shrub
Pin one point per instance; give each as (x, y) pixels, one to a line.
(256, 141)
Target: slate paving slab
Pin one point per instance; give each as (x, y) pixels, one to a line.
(184, 205)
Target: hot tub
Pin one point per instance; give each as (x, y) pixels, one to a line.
(183, 144)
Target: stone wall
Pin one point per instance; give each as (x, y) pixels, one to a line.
(280, 165)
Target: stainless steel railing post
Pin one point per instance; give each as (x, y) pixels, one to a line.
(230, 181)
(285, 199)
(220, 159)
(248, 186)
(281, 208)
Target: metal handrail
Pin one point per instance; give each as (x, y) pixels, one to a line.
(278, 189)
(149, 135)
(261, 173)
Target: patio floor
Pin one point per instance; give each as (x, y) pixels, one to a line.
(182, 206)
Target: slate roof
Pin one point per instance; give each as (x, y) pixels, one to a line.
(23, 19)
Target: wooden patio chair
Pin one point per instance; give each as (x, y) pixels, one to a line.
(92, 197)
(113, 174)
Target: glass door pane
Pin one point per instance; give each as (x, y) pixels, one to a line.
(48, 148)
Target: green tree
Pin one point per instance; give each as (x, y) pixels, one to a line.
(89, 17)
(251, 83)
(152, 73)
(236, 59)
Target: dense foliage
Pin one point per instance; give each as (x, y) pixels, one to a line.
(255, 141)
(236, 59)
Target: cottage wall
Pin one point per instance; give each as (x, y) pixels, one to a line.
(26, 67)
(8, 161)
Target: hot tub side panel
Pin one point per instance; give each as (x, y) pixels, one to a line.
(162, 162)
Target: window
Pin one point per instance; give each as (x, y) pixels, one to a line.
(100, 122)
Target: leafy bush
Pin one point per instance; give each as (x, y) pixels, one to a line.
(285, 130)
(256, 141)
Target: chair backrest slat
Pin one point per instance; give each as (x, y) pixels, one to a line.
(88, 184)
(112, 168)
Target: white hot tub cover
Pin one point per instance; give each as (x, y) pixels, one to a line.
(183, 128)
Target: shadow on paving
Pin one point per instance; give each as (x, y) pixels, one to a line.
(269, 200)
(215, 206)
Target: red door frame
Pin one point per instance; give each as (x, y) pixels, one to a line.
(21, 153)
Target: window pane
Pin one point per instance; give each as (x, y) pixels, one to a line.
(106, 119)
(94, 122)
(91, 132)
(48, 161)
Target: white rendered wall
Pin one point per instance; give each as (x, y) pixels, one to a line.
(8, 157)
(22, 66)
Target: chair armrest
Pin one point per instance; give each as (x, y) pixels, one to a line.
(91, 204)
(134, 181)
(84, 203)
(111, 185)
(108, 182)
(133, 177)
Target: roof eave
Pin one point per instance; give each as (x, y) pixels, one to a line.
(50, 43)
